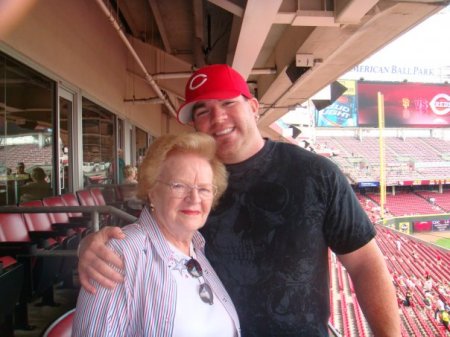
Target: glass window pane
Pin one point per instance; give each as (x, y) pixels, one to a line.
(98, 144)
(26, 133)
(141, 145)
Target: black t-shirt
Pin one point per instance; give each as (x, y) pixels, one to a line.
(268, 238)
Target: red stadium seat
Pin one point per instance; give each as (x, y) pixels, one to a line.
(70, 199)
(62, 327)
(56, 201)
(97, 194)
(39, 225)
(11, 282)
(85, 197)
(13, 228)
(94, 197)
(67, 234)
(40, 272)
(36, 221)
(62, 220)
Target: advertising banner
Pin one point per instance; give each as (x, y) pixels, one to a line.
(404, 227)
(342, 112)
(441, 225)
(424, 182)
(368, 184)
(405, 104)
(422, 226)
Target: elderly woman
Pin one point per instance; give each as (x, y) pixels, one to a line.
(170, 289)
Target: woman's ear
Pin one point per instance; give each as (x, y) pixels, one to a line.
(149, 196)
(149, 199)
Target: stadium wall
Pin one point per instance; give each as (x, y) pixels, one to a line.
(419, 223)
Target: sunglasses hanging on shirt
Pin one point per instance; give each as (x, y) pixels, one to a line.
(204, 291)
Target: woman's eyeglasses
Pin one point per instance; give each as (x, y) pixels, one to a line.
(181, 190)
(204, 291)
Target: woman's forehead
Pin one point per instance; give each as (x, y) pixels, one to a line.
(186, 165)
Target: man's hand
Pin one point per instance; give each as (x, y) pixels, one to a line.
(95, 259)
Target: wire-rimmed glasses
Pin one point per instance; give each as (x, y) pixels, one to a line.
(204, 290)
(182, 190)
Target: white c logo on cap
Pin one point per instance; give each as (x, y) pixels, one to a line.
(200, 79)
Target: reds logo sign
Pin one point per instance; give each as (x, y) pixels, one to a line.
(197, 81)
(440, 104)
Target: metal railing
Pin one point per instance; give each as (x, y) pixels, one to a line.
(94, 212)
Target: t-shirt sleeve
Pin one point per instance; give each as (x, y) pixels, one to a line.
(347, 227)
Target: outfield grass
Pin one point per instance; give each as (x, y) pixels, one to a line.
(443, 242)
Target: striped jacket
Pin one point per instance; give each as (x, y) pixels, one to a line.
(144, 305)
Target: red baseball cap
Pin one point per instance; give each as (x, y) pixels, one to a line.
(218, 81)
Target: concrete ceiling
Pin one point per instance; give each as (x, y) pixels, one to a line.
(261, 38)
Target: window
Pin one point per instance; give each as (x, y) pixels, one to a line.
(98, 144)
(27, 112)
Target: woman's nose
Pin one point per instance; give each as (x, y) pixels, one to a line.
(193, 194)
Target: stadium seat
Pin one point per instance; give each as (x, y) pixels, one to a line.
(61, 327)
(97, 194)
(85, 197)
(439, 199)
(62, 220)
(70, 199)
(41, 272)
(405, 204)
(68, 235)
(40, 226)
(94, 197)
(11, 282)
(56, 201)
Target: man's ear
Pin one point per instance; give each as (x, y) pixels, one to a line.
(254, 104)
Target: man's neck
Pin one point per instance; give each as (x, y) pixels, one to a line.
(236, 159)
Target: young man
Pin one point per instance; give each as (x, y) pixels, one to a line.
(22, 176)
(269, 236)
